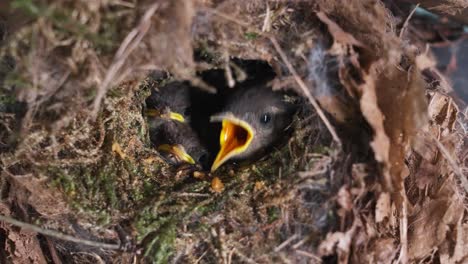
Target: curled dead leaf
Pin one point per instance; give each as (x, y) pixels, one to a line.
(259, 185)
(339, 35)
(442, 110)
(432, 222)
(217, 185)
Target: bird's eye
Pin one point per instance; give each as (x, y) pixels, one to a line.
(188, 111)
(265, 118)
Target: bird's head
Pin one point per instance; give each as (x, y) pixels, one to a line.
(166, 114)
(252, 121)
(170, 102)
(178, 143)
(179, 154)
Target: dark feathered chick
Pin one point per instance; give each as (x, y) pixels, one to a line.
(252, 120)
(171, 101)
(168, 111)
(177, 142)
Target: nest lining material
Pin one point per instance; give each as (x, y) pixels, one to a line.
(360, 181)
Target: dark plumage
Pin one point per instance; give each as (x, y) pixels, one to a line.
(252, 120)
(169, 114)
(177, 142)
(239, 123)
(171, 101)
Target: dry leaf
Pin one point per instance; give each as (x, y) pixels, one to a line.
(429, 227)
(217, 185)
(339, 35)
(31, 191)
(20, 245)
(259, 185)
(381, 251)
(442, 110)
(457, 253)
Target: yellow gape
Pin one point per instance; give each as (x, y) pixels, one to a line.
(178, 151)
(236, 136)
(169, 115)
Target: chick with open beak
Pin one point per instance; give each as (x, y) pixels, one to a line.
(252, 120)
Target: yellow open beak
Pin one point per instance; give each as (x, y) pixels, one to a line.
(178, 151)
(169, 115)
(236, 136)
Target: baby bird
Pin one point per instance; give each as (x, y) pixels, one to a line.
(171, 102)
(252, 120)
(178, 143)
(168, 111)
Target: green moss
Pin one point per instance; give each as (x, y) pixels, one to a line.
(62, 180)
(320, 149)
(251, 35)
(106, 181)
(29, 7)
(106, 40)
(7, 99)
(205, 52)
(274, 214)
(14, 79)
(159, 245)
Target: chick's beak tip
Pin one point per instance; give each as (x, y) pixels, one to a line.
(178, 151)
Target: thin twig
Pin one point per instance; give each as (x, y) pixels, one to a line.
(312, 174)
(131, 41)
(185, 194)
(285, 243)
(403, 227)
(228, 71)
(405, 25)
(300, 243)
(305, 90)
(58, 235)
(267, 22)
(243, 257)
(308, 254)
(456, 168)
(227, 17)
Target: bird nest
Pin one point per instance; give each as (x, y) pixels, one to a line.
(373, 171)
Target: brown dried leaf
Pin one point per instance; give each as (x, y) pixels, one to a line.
(337, 107)
(339, 242)
(31, 191)
(429, 227)
(442, 110)
(426, 148)
(426, 174)
(339, 35)
(217, 185)
(371, 111)
(457, 253)
(20, 246)
(381, 251)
